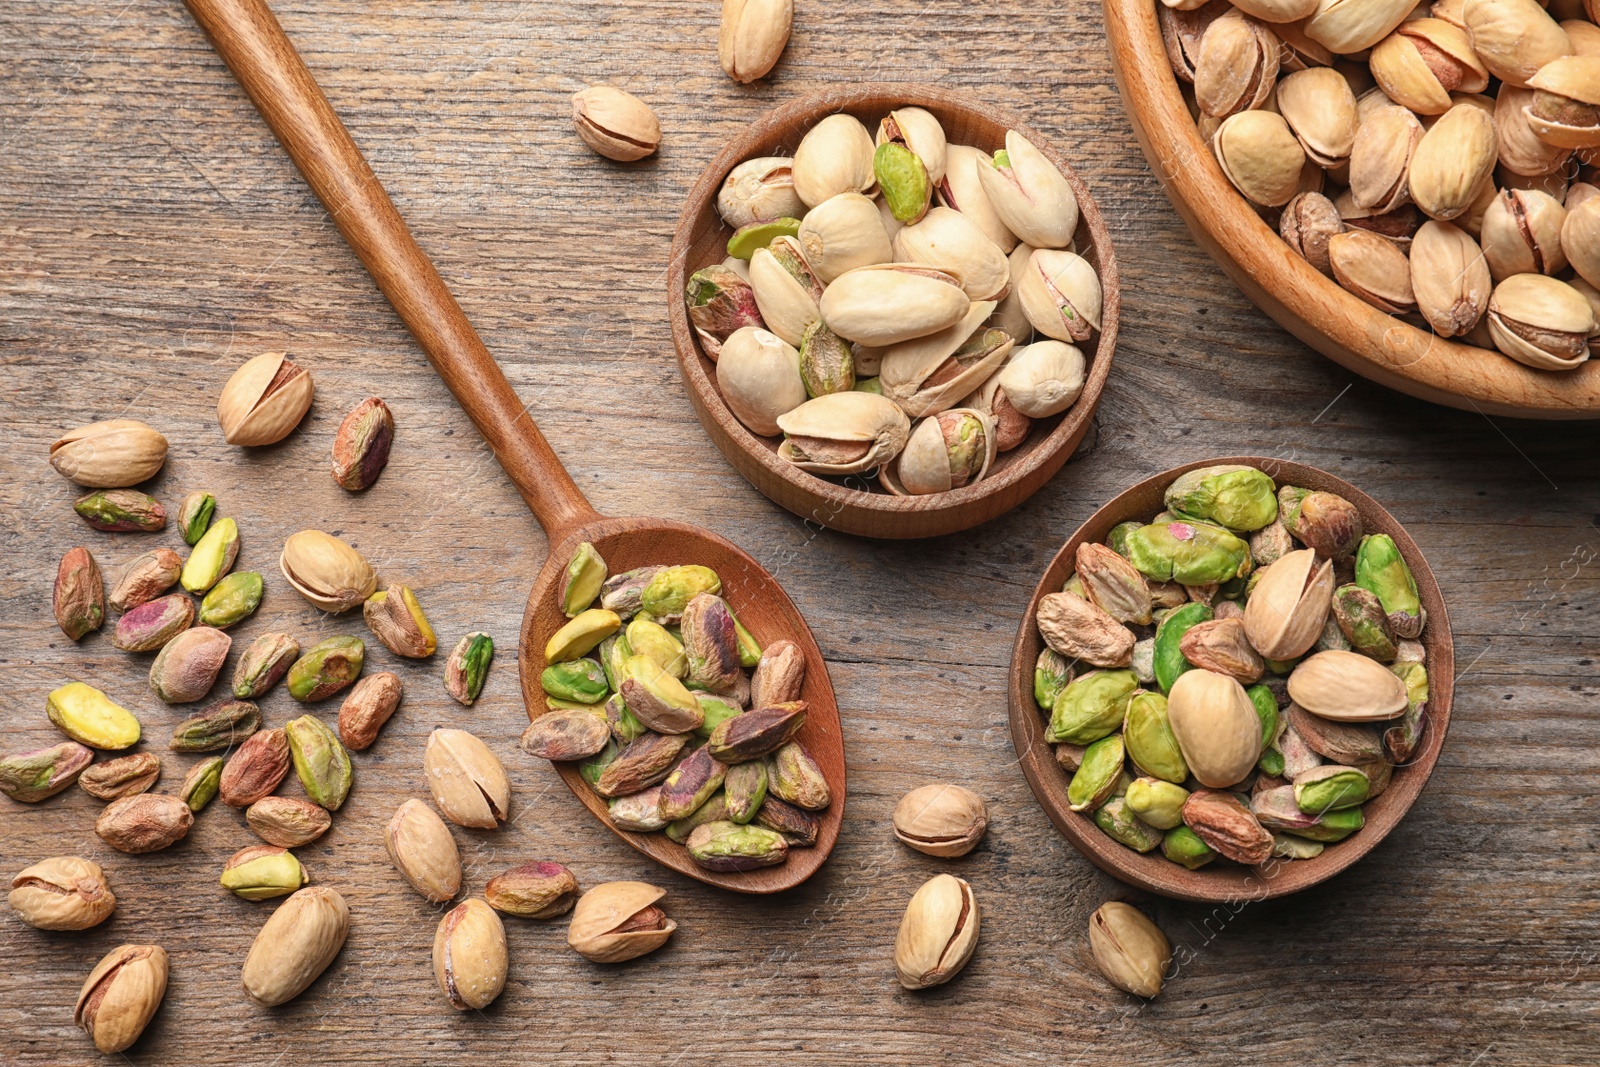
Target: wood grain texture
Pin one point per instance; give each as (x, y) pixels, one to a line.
(855, 505)
(155, 235)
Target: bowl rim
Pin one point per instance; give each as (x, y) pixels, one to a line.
(1053, 450)
(1347, 330)
(1228, 882)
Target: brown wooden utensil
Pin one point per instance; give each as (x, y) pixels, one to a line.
(1219, 881)
(247, 36)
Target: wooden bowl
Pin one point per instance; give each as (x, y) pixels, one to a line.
(1314, 308)
(701, 240)
(1220, 880)
(764, 609)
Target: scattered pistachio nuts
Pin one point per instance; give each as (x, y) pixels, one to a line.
(395, 618)
(202, 783)
(617, 921)
(361, 445)
(264, 400)
(121, 511)
(320, 761)
(194, 515)
(941, 819)
(287, 822)
(109, 455)
(79, 599)
(614, 123)
(145, 822)
(187, 666)
(1130, 950)
(326, 668)
(145, 578)
(262, 872)
(469, 955)
(295, 945)
(62, 893)
(421, 849)
(225, 724)
(468, 667)
(263, 663)
(89, 717)
(540, 890)
(256, 769)
(30, 777)
(366, 709)
(121, 995)
(466, 779)
(938, 933)
(124, 776)
(326, 571)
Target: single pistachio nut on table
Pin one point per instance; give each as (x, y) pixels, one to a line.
(29, 777)
(288, 821)
(91, 718)
(295, 945)
(938, 933)
(144, 822)
(144, 578)
(368, 706)
(262, 872)
(79, 596)
(62, 893)
(618, 921)
(753, 36)
(361, 444)
(320, 761)
(233, 599)
(467, 781)
(469, 955)
(1130, 950)
(1273, 676)
(121, 995)
(326, 668)
(263, 664)
(202, 783)
(326, 571)
(194, 515)
(468, 667)
(421, 848)
(615, 123)
(152, 625)
(264, 400)
(109, 455)
(187, 666)
(941, 819)
(540, 890)
(211, 557)
(256, 768)
(121, 511)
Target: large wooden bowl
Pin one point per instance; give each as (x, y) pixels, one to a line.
(1223, 881)
(855, 507)
(1312, 307)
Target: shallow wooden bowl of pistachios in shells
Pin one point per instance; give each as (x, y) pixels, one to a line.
(1244, 242)
(1221, 880)
(875, 502)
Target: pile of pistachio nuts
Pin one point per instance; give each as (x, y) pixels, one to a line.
(879, 297)
(1439, 163)
(1237, 676)
(666, 724)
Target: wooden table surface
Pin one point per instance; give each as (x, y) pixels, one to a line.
(152, 236)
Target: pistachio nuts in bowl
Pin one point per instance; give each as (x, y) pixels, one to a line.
(1232, 681)
(894, 309)
(1409, 189)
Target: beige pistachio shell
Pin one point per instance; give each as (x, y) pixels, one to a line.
(920, 131)
(909, 369)
(1347, 687)
(1583, 36)
(1216, 727)
(1520, 149)
(753, 36)
(296, 945)
(1540, 321)
(1289, 605)
(1453, 159)
(1031, 196)
(110, 454)
(1580, 236)
(1321, 110)
(121, 995)
(264, 400)
(787, 305)
(1514, 38)
(615, 123)
(843, 433)
(469, 955)
(1346, 26)
(1044, 378)
(1261, 156)
(834, 157)
(466, 779)
(949, 241)
(938, 933)
(892, 302)
(1574, 83)
(1449, 277)
(1380, 158)
(1425, 60)
(941, 819)
(758, 374)
(1009, 316)
(422, 849)
(1061, 295)
(757, 189)
(962, 190)
(924, 465)
(842, 233)
(1236, 67)
(1373, 268)
(602, 909)
(1276, 11)
(1521, 234)
(1592, 294)
(326, 571)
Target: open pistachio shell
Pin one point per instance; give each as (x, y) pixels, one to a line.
(1060, 294)
(950, 241)
(759, 189)
(1514, 38)
(946, 451)
(1261, 156)
(1031, 196)
(1425, 60)
(929, 374)
(962, 190)
(1346, 26)
(1565, 110)
(843, 433)
(1380, 157)
(1289, 605)
(786, 288)
(1321, 110)
(1541, 321)
(918, 130)
(1236, 67)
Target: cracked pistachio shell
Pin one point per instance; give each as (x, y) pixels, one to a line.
(1091, 706)
(1321, 110)
(1521, 150)
(1277, 11)
(946, 451)
(917, 129)
(941, 819)
(295, 945)
(1030, 194)
(1565, 109)
(887, 303)
(843, 433)
(1521, 233)
(1236, 66)
(834, 157)
(62, 893)
(827, 364)
(1580, 237)
(1380, 158)
(109, 455)
(1147, 735)
(1540, 321)
(786, 288)
(1452, 160)
(842, 233)
(1043, 379)
(1129, 949)
(614, 123)
(469, 955)
(753, 36)
(758, 374)
(938, 933)
(1061, 295)
(962, 189)
(1261, 156)
(1425, 60)
(950, 241)
(930, 374)
(1289, 605)
(617, 921)
(1347, 687)
(1098, 774)
(264, 400)
(759, 189)
(262, 872)
(211, 557)
(1307, 223)
(466, 779)
(1216, 727)
(121, 995)
(326, 571)
(1514, 38)
(1346, 26)
(1449, 278)
(1011, 427)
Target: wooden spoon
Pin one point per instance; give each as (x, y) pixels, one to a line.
(250, 41)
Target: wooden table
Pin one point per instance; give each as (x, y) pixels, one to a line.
(152, 236)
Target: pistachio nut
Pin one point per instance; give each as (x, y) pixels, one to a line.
(581, 634)
(1400, 742)
(888, 303)
(624, 593)
(1565, 109)
(798, 827)
(949, 241)
(1381, 570)
(658, 699)
(62, 893)
(835, 156)
(938, 933)
(1216, 727)
(1187, 552)
(758, 374)
(1221, 645)
(1275, 809)
(423, 851)
(720, 301)
(109, 455)
(326, 668)
(1306, 225)
(1265, 703)
(917, 129)
(1331, 826)
(1060, 295)
(1449, 278)
(962, 189)
(288, 822)
(570, 734)
(713, 810)
(1289, 605)
(757, 733)
(1098, 774)
(1521, 151)
(931, 374)
(617, 921)
(748, 240)
(1452, 160)
(1330, 787)
(1580, 236)
(1129, 949)
(1168, 650)
(786, 288)
(1352, 744)
(1091, 706)
(468, 667)
(125, 776)
(690, 784)
(744, 790)
(1227, 826)
(616, 124)
(1380, 158)
(843, 433)
(1157, 802)
(144, 822)
(710, 641)
(842, 233)
(1362, 620)
(469, 955)
(759, 189)
(467, 781)
(1042, 379)
(194, 516)
(1285, 846)
(1320, 108)
(645, 761)
(1183, 27)
(263, 663)
(731, 846)
(946, 451)
(1326, 522)
(1348, 687)
(1069, 757)
(121, 995)
(1235, 67)
(1424, 61)
(233, 599)
(295, 945)
(1345, 26)
(1373, 269)
(79, 594)
(154, 624)
(201, 784)
(1540, 321)
(121, 511)
(1272, 542)
(326, 571)
(395, 618)
(1051, 673)
(648, 638)
(533, 891)
(1521, 234)
(1147, 735)
(797, 778)
(1514, 38)
(30, 777)
(1078, 629)
(1030, 194)
(1237, 497)
(264, 400)
(361, 444)
(1184, 847)
(638, 812)
(145, 578)
(211, 558)
(320, 761)
(941, 819)
(256, 769)
(903, 181)
(1260, 155)
(779, 676)
(1112, 584)
(89, 717)
(262, 872)
(1297, 756)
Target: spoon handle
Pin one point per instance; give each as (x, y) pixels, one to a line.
(248, 38)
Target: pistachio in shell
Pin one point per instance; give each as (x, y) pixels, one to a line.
(327, 571)
(264, 400)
